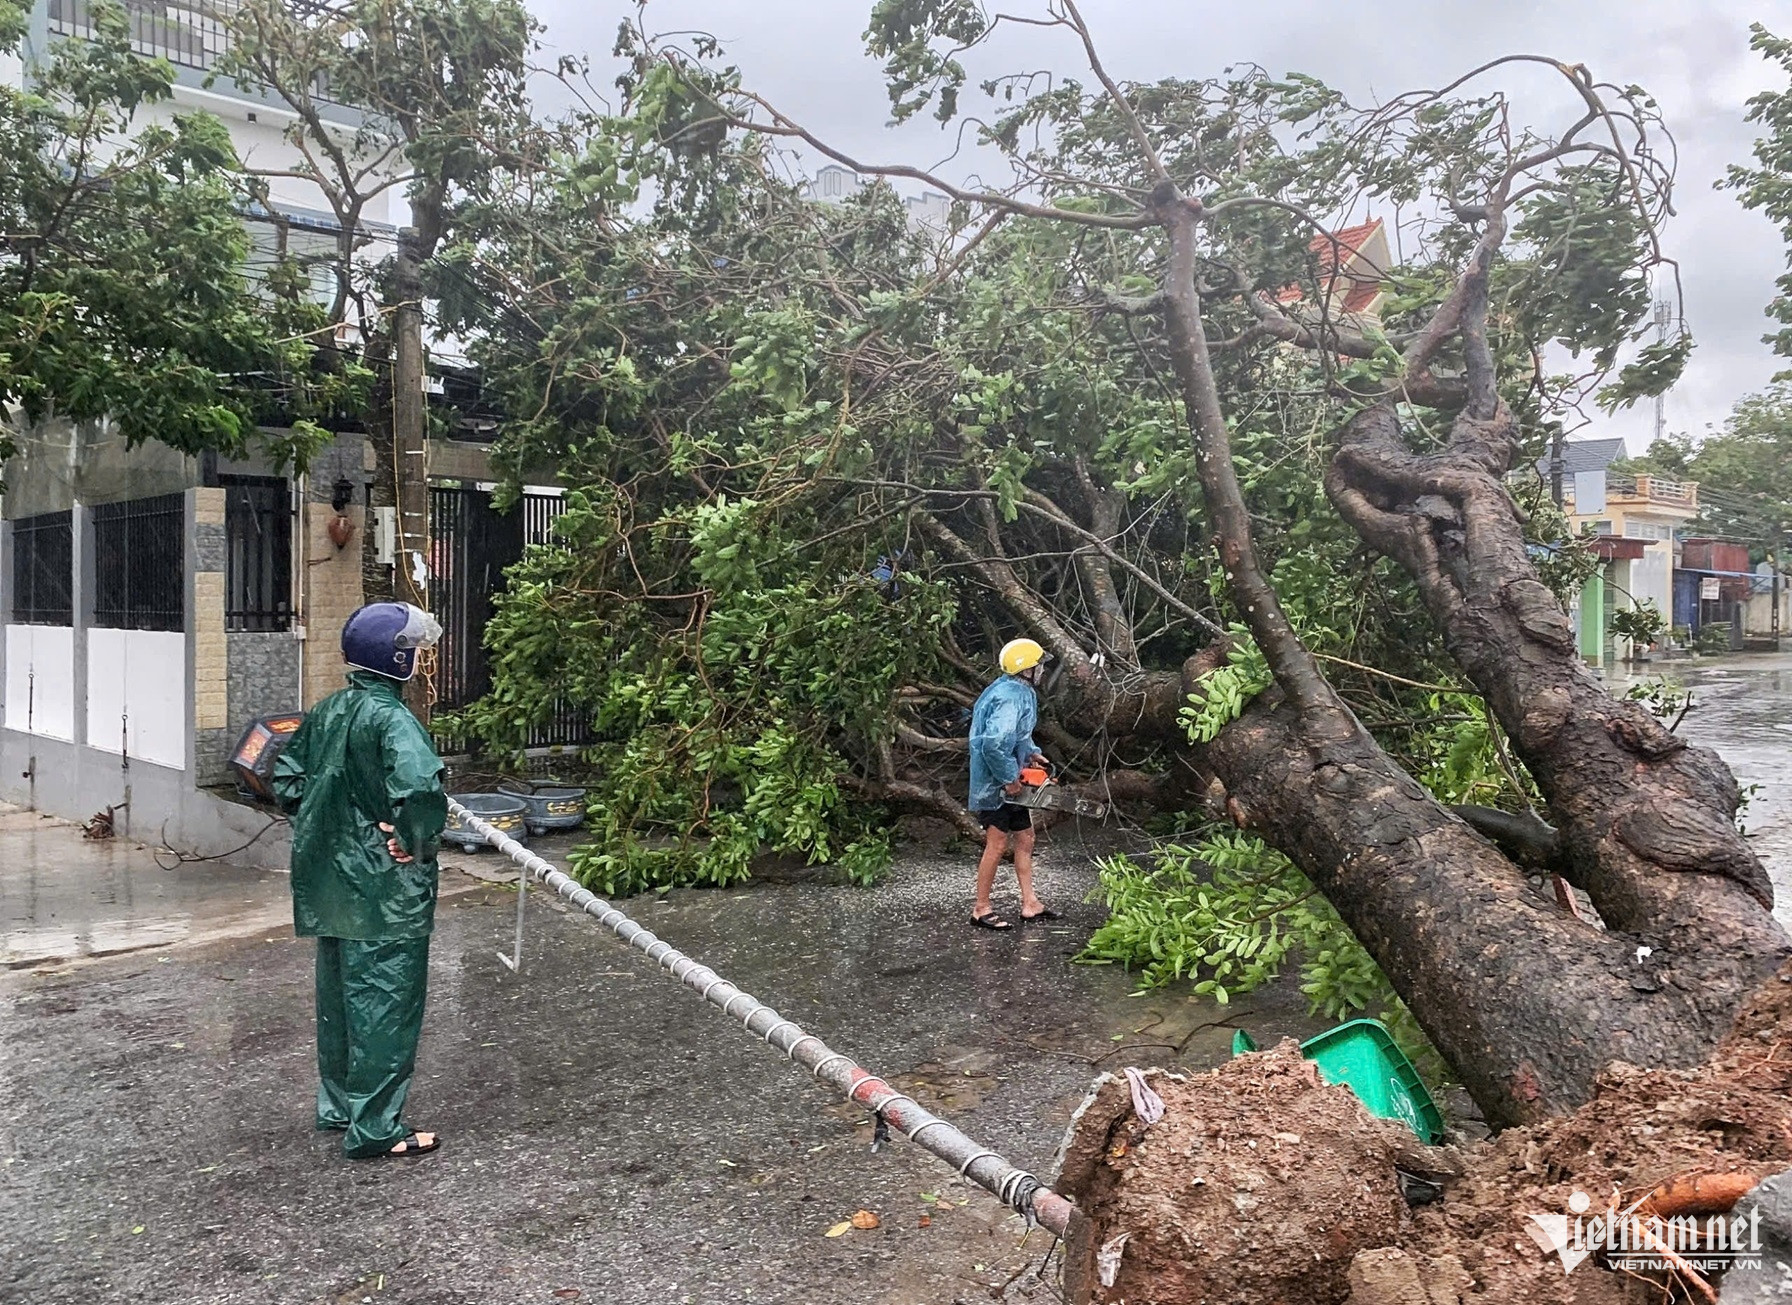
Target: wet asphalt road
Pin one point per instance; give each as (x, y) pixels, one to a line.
(1744, 710)
(609, 1138)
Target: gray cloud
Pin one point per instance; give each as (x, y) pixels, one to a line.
(806, 56)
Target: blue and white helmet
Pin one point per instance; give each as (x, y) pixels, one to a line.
(384, 638)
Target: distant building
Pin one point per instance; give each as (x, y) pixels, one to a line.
(835, 183)
(191, 35)
(1352, 272)
(929, 211)
(1715, 583)
(1633, 520)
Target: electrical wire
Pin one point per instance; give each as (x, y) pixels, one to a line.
(184, 857)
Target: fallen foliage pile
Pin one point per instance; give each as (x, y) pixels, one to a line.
(1261, 1185)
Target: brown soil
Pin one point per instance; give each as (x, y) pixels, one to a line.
(1262, 1186)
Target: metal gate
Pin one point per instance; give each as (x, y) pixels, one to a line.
(471, 545)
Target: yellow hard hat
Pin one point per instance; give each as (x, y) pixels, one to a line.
(1021, 654)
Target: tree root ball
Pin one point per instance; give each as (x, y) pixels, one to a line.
(1259, 1185)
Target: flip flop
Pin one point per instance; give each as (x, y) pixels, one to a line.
(1046, 914)
(993, 922)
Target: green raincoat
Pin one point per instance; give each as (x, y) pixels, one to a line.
(360, 760)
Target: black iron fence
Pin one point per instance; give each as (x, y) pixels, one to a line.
(43, 569)
(472, 544)
(258, 559)
(139, 555)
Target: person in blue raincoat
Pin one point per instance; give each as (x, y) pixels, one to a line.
(363, 786)
(1001, 744)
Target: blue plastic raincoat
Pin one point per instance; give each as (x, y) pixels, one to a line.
(1001, 739)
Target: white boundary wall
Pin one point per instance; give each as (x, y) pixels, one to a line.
(137, 694)
(40, 680)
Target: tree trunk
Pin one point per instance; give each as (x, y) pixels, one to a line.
(382, 485)
(1528, 1003)
(1645, 823)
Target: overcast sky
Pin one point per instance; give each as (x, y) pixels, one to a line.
(807, 57)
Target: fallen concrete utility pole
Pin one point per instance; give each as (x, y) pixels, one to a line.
(1014, 1187)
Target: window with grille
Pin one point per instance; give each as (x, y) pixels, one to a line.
(258, 558)
(43, 569)
(139, 551)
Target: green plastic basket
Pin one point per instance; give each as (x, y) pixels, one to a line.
(1362, 1055)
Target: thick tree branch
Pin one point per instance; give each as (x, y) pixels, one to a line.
(1293, 666)
(783, 126)
(1526, 838)
(999, 575)
(920, 797)
(1042, 506)
(1122, 105)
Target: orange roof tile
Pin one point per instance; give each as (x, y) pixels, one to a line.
(1349, 242)
(1335, 247)
(1362, 294)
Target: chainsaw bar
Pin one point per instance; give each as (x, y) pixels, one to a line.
(1050, 797)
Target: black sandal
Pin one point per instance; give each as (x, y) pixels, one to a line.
(1046, 914)
(991, 921)
(412, 1147)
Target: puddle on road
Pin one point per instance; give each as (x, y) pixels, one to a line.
(1744, 711)
(100, 938)
(63, 897)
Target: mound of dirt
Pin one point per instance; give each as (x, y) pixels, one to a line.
(1260, 1185)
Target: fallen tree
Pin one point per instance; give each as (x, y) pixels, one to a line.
(824, 464)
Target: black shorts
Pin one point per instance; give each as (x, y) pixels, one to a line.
(1008, 818)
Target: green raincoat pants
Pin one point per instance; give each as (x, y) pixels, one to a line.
(369, 1016)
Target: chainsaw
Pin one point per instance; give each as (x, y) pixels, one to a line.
(1041, 791)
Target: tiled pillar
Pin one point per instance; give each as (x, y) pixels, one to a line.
(208, 649)
(6, 601)
(82, 599)
(333, 592)
(1592, 619)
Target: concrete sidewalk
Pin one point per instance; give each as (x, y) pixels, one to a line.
(64, 897)
(608, 1138)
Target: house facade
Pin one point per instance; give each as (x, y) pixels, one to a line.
(1715, 584)
(1646, 513)
(153, 604)
(1352, 270)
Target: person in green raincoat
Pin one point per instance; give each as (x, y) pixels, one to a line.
(363, 786)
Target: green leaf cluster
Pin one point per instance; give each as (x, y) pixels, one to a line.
(124, 291)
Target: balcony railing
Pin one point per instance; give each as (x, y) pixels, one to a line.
(1654, 489)
(191, 35)
(187, 33)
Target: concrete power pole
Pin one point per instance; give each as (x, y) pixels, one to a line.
(1664, 314)
(410, 579)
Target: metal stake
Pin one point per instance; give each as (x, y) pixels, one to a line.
(515, 963)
